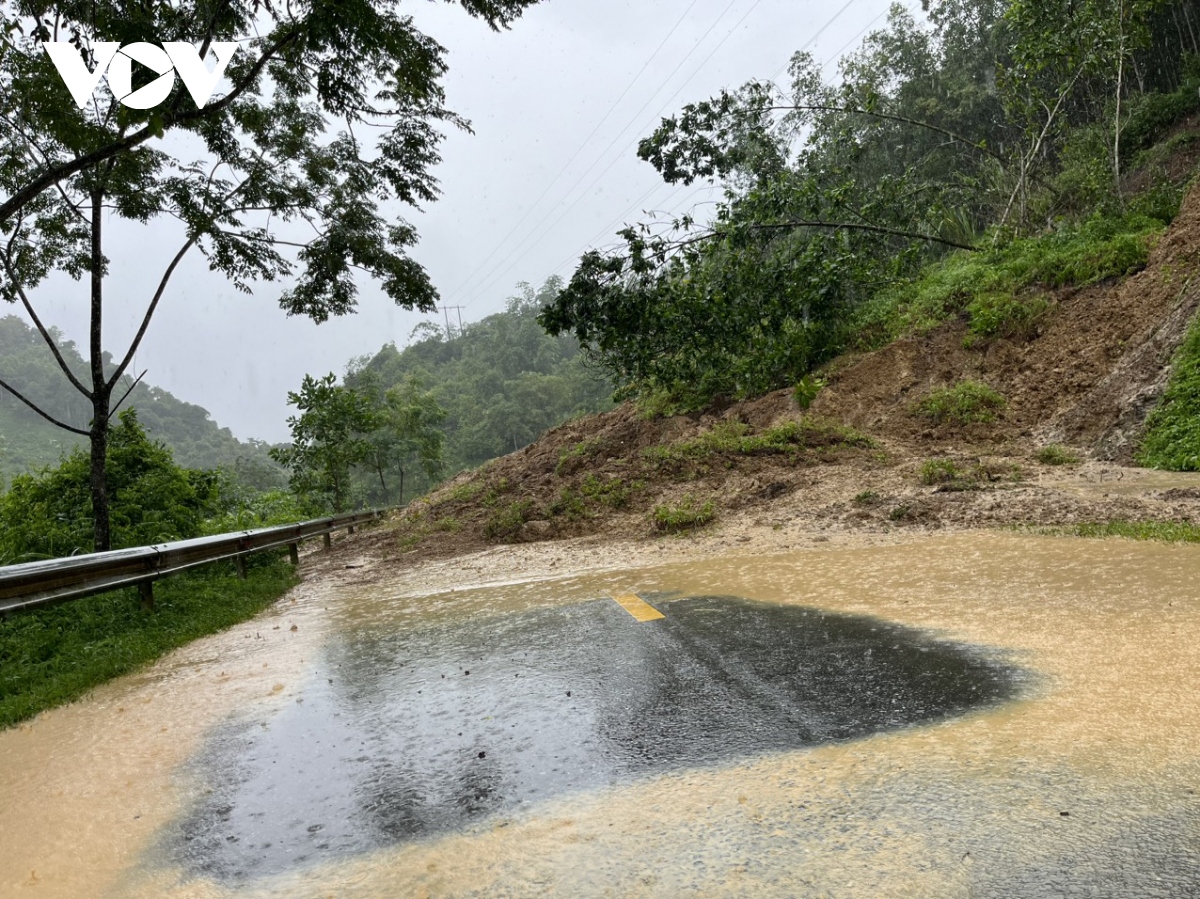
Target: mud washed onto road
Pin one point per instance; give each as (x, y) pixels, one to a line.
(686, 759)
(404, 734)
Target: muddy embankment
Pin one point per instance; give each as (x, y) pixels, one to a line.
(1087, 380)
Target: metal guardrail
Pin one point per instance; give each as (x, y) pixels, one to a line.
(34, 584)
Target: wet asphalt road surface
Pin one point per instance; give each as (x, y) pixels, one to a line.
(404, 735)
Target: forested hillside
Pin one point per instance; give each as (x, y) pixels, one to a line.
(404, 419)
(28, 441)
(962, 164)
(501, 381)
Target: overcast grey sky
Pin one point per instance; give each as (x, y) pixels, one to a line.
(557, 104)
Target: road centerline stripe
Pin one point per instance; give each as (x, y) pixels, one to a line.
(637, 607)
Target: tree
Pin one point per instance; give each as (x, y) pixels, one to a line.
(258, 180)
(47, 513)
(408, 435)
(329, 437)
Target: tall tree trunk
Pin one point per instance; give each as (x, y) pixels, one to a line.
(401, 487)
(1116, 160)
(101, 392)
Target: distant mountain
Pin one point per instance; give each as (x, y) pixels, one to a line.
(28, 441)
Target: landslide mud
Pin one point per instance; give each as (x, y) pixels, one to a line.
(1086, 785)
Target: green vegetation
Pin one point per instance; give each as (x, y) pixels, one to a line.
(997, 287)
(28, 442)
(964, 403)
(941, 471)
(1172, 440)
(612, 492)
(47, 514)
(965, 164)
(343, 431)
(1054, 454)
(806, 391)
(1165, 531)
(505, 523)
(686, 516)
(735, 438)
(56, 655)
(866, 498)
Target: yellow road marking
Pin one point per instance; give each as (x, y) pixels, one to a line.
(638, 607)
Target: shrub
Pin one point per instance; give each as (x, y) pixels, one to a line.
(1172, 440)
(1054, 454)
(965, 402)
(1004, 315)
(807, 390)
(684, 517)
(940, 471)
(152, 500)
(570, 504)
(613, 493)
(506, 523)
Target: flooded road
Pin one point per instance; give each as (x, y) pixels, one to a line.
(975, 715)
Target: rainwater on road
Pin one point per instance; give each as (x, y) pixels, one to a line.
(975, 715)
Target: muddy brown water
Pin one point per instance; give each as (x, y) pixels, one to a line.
(1074, 773)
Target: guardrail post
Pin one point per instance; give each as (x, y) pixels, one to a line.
(240, 561)
(146, 590)
(294, 553)
(327, 539)
(350, 530)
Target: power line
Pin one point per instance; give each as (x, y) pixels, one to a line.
(583, 146)
(836, 56)
(489, 276)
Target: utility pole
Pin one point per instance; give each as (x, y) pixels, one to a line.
(446, 313)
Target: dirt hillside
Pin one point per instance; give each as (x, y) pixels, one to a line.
(861, 458)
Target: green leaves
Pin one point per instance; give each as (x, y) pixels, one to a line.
(153, 500)
(328, 437)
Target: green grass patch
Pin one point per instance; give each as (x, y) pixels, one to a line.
(941, 471)
(1172, 440)
(1164, 531)
(506, 523)
(986, 283)
(55, 655)
(611, 492)
(1055, 454)
(569, 504)
(569, 459)
(964, 403)
(686, 516)
(1004, 315)
(734, 438)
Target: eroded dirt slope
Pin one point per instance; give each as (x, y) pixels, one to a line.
(858, 459)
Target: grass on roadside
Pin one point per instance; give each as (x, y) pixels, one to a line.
(1163, 531)
(686, 516)
(55, 655)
